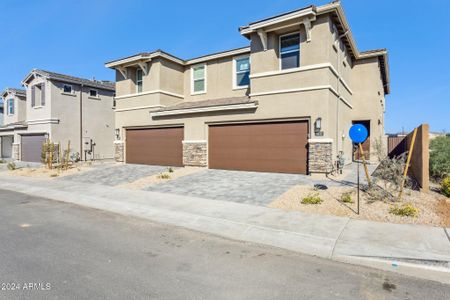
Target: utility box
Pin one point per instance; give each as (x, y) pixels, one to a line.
(87, 144)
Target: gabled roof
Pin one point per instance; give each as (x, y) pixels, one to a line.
(101, 84)
(147, 56)
(18, 92)
(338, 16)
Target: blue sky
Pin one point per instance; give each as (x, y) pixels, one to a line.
(78, 37)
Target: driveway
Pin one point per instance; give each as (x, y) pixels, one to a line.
(238, 186)
(115, 174)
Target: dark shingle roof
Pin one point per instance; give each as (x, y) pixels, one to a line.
(18, 92)
(108, 85)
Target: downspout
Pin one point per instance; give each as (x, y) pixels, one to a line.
(81, 123)
(338, 88)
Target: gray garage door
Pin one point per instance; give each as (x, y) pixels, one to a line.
(6, 146)
(32, 147)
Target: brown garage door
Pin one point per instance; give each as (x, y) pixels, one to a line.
(32, 147)
(156, 146)
(267, 147)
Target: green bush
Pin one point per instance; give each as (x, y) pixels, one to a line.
(312, 199)
(445, 187)
(440, 157)
(406, 210)
(11, 166)
(164, 176)
(170, 169)
(346, 198)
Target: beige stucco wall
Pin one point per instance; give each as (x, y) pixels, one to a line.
(369, 97)
(97, 114)
(339, 92)
(20, 111)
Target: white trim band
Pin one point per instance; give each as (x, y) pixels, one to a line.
(204, 109)
(320, 141)
(194, 142)
(139, 107)
(305, 89)
(43, 121)
(149, 93)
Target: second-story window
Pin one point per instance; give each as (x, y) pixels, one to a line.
(242, 72)
(10, 106)
(93, 93)
(67, 88)
(38, 94)
(139, 81)
(198, 84)
(290, 51)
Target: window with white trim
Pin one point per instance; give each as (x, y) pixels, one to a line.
(93, 93)
(10, 104)
(67, 88)
(139, 81)
(241, 72)
(290, 51)
(198, 79)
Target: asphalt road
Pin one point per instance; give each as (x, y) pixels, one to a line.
(62, 251)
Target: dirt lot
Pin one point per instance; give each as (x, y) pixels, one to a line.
(434, 209)
(44, 172)
(155, 179)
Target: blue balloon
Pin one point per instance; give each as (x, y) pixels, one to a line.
(358, 133)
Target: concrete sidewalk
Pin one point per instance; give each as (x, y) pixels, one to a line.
(414, 250)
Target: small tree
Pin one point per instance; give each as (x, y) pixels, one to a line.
(440, 157)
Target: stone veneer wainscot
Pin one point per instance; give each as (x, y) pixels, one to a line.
(195, 153)
(320, 155)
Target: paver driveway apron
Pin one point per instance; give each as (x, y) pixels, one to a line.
(115, 175)
(238, 186)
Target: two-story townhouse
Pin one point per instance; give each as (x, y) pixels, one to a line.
(283, 104)
(64, 108)
(14, 103)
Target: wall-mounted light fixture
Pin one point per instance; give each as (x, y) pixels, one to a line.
(117, 131)
(318, 127)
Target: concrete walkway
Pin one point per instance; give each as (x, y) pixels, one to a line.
(414, 250)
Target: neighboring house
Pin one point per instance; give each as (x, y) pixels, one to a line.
(283, 104)
(1, 112)
(14, 105)
(62, 108)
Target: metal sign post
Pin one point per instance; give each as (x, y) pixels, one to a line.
(358, 134)
(357, 180)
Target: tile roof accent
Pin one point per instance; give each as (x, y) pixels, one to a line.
(102, 84)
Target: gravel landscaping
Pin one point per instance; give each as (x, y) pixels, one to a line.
(157, 179)
(434, 208)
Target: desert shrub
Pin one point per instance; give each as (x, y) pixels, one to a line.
(54, 175)
(164, 176)
(440, 157)
(346, 198)
(2, 161)
(11, 166)
(312, 199)
(445, 186)
(170, 169)
(406, 210)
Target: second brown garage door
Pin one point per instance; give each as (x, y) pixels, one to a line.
(32, 147)
(264, 147)
(156, 146)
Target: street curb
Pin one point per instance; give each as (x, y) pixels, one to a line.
(440, 274)
(319, 246)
